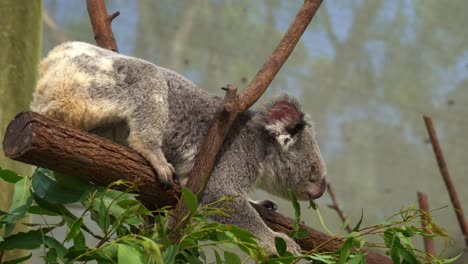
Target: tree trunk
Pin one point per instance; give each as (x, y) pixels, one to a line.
(20, 41)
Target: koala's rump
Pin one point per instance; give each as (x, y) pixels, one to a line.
(67, 78)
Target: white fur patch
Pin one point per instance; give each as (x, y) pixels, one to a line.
(285, 141)
(281, 135)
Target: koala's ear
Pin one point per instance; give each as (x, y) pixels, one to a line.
(284, 121)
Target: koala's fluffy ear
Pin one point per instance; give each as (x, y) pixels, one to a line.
(284, 121)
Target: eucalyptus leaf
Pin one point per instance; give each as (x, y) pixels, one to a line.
(358, 225)
(25, 240)
(280, 245)
(170, 254)
(218, 257)
(53, 243)
(231, 258)
(10, 176)
(128, 254)
(53, 191)
(18, 260)
(22, 200)
(345, 250)
(75, 229)
(190, 199)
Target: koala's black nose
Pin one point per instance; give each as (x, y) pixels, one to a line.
(322, 188)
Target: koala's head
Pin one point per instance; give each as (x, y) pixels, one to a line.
(293, 159)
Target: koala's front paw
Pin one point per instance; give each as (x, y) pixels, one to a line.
(268, 204)
(165, 172)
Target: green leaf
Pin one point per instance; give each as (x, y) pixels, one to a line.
(21, 202)
(327, 259)
(25, 240)
(358, 225)
(53, 243)
(345, 223)
(313, 205)
(190, 199)
(231, 258)
(280, 245)
(450, 260)
(54, 191)
(37, 210)
(18, 260)
(218, 257)
(151, 248)
(358, 258)
(75, 229)
(170, 254)
(297, 209)
(10, 176)
(103, 216)
(345, 250)
(128, 254)
(301, 233)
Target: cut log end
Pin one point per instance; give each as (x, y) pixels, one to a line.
(18, 136)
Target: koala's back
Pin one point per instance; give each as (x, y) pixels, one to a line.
(80, 83)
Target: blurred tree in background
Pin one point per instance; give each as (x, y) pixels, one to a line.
(20, 42)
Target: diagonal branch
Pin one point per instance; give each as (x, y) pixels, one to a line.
(336, 206)
(447, 178)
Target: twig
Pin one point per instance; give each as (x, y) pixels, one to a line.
(424, 207)
(336, 206)
(58, 34)
(446, 176)
(101, 22)
(214, 139)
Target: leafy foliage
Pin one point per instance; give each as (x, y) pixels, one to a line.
(130, 233)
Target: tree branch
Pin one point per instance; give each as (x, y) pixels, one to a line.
(336, 206)
(424, 207)
(446, 176)
(41, 141)
(101, 22)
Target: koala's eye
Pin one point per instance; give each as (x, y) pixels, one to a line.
(293, 130)
(314, 168)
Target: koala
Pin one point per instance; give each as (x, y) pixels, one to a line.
(165, 116)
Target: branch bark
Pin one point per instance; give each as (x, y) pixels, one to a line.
(336, 206)
(443, 168)
(38, 140)
(101, 22)
(424, 207)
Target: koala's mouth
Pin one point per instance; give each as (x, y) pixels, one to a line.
(312, 191)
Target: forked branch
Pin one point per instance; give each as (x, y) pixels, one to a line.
(101, 22)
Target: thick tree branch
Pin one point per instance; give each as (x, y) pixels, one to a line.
(101, 22)
(38, 140)
(265, 75)
(447, 178)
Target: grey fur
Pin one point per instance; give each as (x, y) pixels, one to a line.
(166, 117)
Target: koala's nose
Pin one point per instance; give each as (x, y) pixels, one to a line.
(320, 190)
(313, 190)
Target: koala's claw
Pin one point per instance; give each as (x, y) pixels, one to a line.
(165, 173)
(268, 204)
